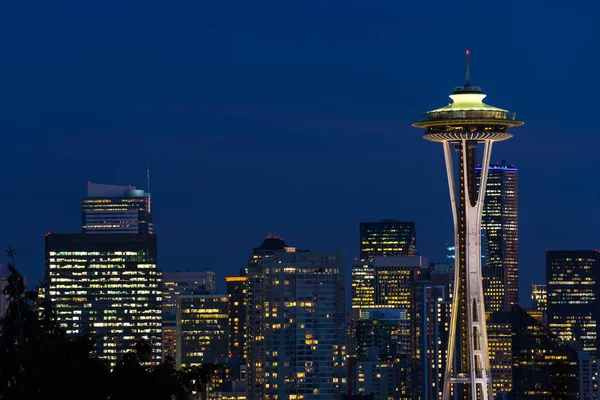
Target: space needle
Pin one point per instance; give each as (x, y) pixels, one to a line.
(466, 127)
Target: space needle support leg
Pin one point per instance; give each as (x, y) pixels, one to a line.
(480, 377)
(453, 320)
(487, 378)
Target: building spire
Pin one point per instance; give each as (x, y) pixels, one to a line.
(467, 72)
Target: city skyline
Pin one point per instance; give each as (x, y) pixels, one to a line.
(223, 135)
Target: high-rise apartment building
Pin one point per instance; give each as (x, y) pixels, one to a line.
(175, 284)
(388, 237)
(573, 284)
(202, 329)
(109, 286)
(116, 209)
(296, 326)
(237, 293)
(500, 223)
(430, 327)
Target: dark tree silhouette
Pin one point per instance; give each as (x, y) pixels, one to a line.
(37, 361)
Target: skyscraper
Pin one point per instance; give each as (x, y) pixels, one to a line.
(589, 376)
(462, 126)
(430, 322)
(543, 366)
(116, 209)
(296, 322)
(539, 297)
(573, 284)
(500, 350)
(500, 223)
(387, 237)
(385, 282)
(109, 286)
(202, 329)
(237, 293)
(175, 284)
(383, 346)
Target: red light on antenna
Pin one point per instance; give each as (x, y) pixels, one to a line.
(468, 52)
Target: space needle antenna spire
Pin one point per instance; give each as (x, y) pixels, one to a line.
(467, 69)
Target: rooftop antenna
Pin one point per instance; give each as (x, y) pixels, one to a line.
(148, 177)
(467, 72)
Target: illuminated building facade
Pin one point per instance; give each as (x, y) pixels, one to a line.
(388, 237)
(237, 293)
(543, 366)
(589, 377)
(202, 329)
(573, 285)
(111, 209)
(296, 326)
(500, 223)
(362, 277)
(380, 380)
(256, 322)
(109, 286)
(539, 297)
(383, 346)
(500, 351)
(461, 127)
(174, 284)
(430, 327)
(385, 282)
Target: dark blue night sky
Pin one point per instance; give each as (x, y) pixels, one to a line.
(289, 117)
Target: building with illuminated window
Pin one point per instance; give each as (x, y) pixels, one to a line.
(383, 353)
(255, 321)
(500, 334)
(539, 297)
(237, 293)
(388, 237)
(174, 284)
(109, 286)
(573, 284)
(296, 326)
(116, 209)
(500, 223)
(202, 329)
(430, 323)
(539, 303)
(385, 282)
(380, 380)
(543, 366)
(589, 377)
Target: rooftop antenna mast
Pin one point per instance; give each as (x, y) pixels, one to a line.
(148, 201)
(148, 178)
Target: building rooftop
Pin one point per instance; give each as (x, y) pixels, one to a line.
(103, 190)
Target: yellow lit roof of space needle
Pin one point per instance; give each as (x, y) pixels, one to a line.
(467, 117)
